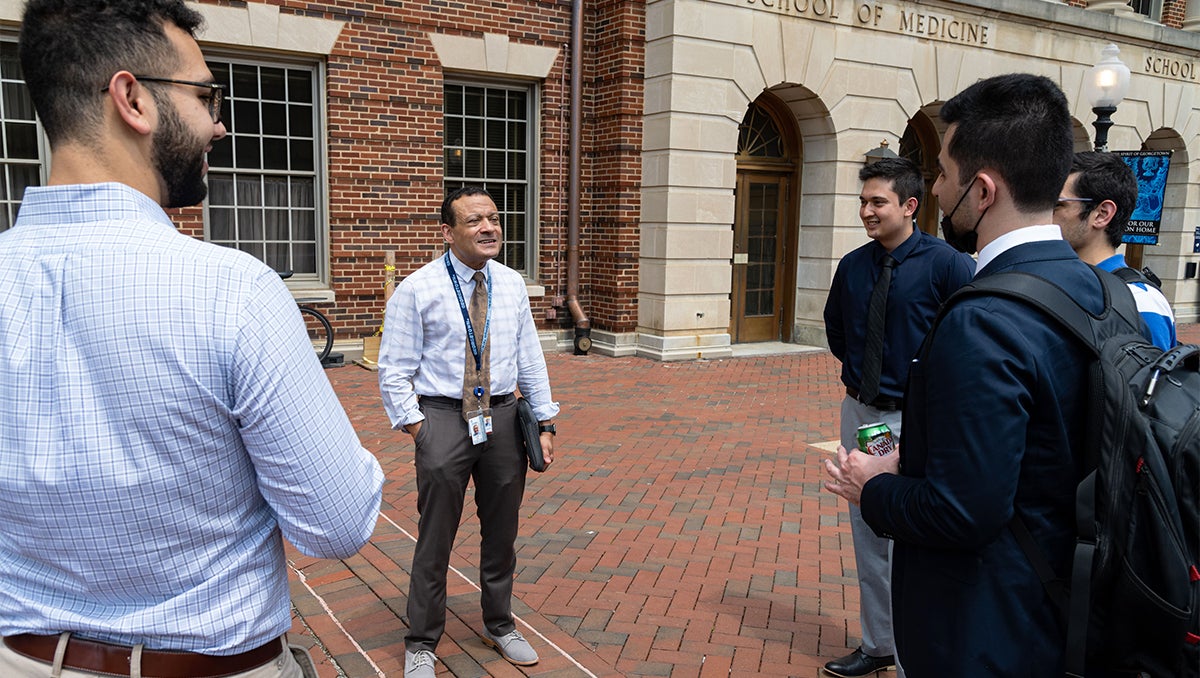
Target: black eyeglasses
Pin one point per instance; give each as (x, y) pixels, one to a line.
(215, 98)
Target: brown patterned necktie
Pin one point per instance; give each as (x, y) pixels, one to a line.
(477, 309)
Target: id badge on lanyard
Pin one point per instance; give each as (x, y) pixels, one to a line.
(479, 424)
(479, 421)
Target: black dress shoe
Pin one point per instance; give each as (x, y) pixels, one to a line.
(859, 663)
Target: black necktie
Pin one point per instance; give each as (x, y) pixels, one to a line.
(876, 312)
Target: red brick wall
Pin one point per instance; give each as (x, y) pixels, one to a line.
(612, 185)
(1172, 14)
(384, 126)
(384, 105)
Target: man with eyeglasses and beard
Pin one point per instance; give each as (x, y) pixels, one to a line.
(994, 415)
(166, 422)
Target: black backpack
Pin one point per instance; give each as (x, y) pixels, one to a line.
(1130, 275)
(1132, 602)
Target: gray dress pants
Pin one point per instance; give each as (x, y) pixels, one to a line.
(445, 460)
(872, 554)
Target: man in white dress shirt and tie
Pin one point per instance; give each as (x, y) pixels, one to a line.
(458, 340)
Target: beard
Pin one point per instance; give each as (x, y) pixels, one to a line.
(179, 160)
(1075, 234)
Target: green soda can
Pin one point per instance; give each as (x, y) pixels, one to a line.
(876, 439)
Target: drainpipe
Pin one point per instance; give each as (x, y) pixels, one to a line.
(583, 327)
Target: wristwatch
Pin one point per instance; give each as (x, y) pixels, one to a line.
(547, 428)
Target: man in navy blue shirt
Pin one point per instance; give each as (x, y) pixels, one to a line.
(924, 271)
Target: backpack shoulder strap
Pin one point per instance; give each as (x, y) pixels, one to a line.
(1055, 586)
(1055, 302)
(1130, 275)
(1041, 293)
(1151, 277)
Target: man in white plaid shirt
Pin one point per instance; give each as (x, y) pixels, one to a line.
(165, 421)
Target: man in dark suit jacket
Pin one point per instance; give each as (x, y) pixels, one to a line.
(995, 411)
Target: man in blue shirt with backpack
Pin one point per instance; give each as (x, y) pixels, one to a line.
(1093, 210)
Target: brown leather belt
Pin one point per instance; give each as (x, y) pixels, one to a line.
(97, 657)
(880, 403)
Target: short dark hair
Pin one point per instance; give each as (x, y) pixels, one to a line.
(904, 174)
(1020, 126)
(71, 48)
(1104, 176)
(448, 216)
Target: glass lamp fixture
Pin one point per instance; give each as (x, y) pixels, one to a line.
(1105, 87)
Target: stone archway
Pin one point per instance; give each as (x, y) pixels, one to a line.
(762, 289)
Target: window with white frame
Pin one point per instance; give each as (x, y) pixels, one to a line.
(264, 177)
(488, 143)
(21, 163)
(1152, 9)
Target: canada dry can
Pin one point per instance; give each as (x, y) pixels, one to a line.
(876, 439)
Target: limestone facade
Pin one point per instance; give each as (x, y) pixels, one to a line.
(851, 74)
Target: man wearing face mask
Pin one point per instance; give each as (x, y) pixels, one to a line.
(995, 414)
(909, 274)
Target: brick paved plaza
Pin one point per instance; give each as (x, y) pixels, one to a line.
(680, 532)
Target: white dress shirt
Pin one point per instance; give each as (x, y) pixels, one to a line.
(424, 343)
(1011, 239)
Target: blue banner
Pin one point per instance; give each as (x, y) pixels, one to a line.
(1150, 168)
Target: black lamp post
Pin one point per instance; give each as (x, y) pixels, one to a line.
(876, 154)
(1105, 87)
